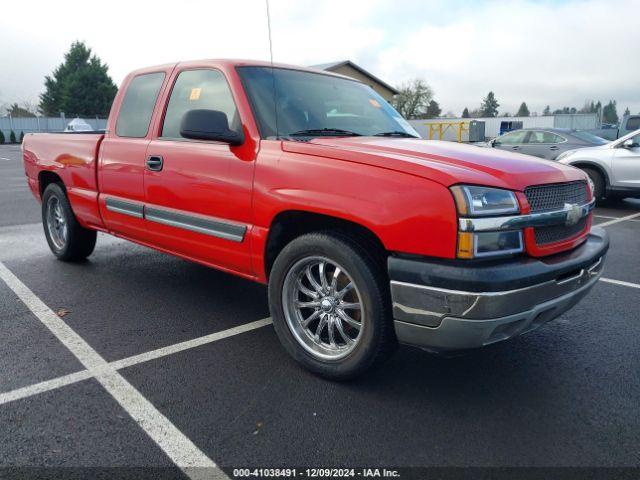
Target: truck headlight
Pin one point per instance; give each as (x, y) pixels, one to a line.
(473, 201)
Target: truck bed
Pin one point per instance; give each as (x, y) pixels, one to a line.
(71, 156)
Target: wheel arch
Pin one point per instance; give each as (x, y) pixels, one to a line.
(290, 224)
(581, 164)
(46, 177)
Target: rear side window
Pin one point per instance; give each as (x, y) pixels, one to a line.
(137, 106)
(544, 137)
(195, 90)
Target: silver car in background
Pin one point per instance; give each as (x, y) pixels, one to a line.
(614, 168)
(545, 142)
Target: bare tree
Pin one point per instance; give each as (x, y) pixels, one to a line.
(413, 99)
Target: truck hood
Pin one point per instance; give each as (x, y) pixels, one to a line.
(447, 163)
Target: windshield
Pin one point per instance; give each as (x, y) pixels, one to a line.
(313, 104)
(588, 137)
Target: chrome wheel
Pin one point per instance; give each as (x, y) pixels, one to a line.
(323, 308)
(56, 223)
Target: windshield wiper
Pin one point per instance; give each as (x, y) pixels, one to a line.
(326, 132)
(395, 133)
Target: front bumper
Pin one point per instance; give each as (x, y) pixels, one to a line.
(445, 306)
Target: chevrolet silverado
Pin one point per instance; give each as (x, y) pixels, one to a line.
(310, 182)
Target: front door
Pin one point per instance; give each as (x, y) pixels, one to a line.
(512, 141)
(626, 165)
(198, 193)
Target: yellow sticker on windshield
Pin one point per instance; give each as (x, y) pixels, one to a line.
(375, 103)
(195, 94)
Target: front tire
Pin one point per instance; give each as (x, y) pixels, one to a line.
(329, 300)
(67, 239)
(598, 183)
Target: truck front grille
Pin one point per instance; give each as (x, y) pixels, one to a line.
(547, 198)
(558, 233)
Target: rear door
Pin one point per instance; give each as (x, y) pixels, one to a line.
(544, 144)
(123, 155)
(626, 165)
(198, 201)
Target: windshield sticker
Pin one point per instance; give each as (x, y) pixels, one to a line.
(195, 94)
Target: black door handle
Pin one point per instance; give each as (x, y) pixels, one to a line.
(554, 147)
(516, 148)
(154, 163)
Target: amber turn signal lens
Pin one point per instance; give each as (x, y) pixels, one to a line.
(465, 245)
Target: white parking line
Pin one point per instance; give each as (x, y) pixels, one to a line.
(6, 159)
(182, 451)
(618, 220)
(620, 282)
(196, 342)
(76, 377)
(45, 386)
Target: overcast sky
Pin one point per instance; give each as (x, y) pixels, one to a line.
(543, 52)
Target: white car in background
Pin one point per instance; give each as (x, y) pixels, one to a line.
(614, 168)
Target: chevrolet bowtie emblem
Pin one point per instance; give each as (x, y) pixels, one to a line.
(574, 214)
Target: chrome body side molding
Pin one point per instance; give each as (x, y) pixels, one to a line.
(125, 208)
(206, 225)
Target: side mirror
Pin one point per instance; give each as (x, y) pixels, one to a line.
(209, 125)
(630, 143)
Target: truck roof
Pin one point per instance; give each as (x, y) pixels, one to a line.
(230, 63)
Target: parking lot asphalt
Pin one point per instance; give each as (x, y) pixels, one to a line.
(139, 359)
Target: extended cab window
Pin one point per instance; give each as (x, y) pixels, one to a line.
(137, 106)
(199, 89)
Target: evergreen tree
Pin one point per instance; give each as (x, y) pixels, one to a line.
(80, 86)
(546, 111)
(627, 111)
(1, 137)
(12, 137)
(465, 113)
(523, 111)
(433, 109)
(489, 107)
(21, 136)
(610, 113)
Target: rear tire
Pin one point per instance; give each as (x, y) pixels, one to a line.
(598, 183)
(357, 332)
(67, 239)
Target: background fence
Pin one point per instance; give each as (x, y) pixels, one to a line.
(42, 124)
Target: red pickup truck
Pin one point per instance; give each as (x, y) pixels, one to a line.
(367, 235)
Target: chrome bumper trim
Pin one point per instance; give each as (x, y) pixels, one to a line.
(455, 334)
(428, 306)
(570, 215)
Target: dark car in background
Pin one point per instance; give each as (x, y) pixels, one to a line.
(545, 142)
